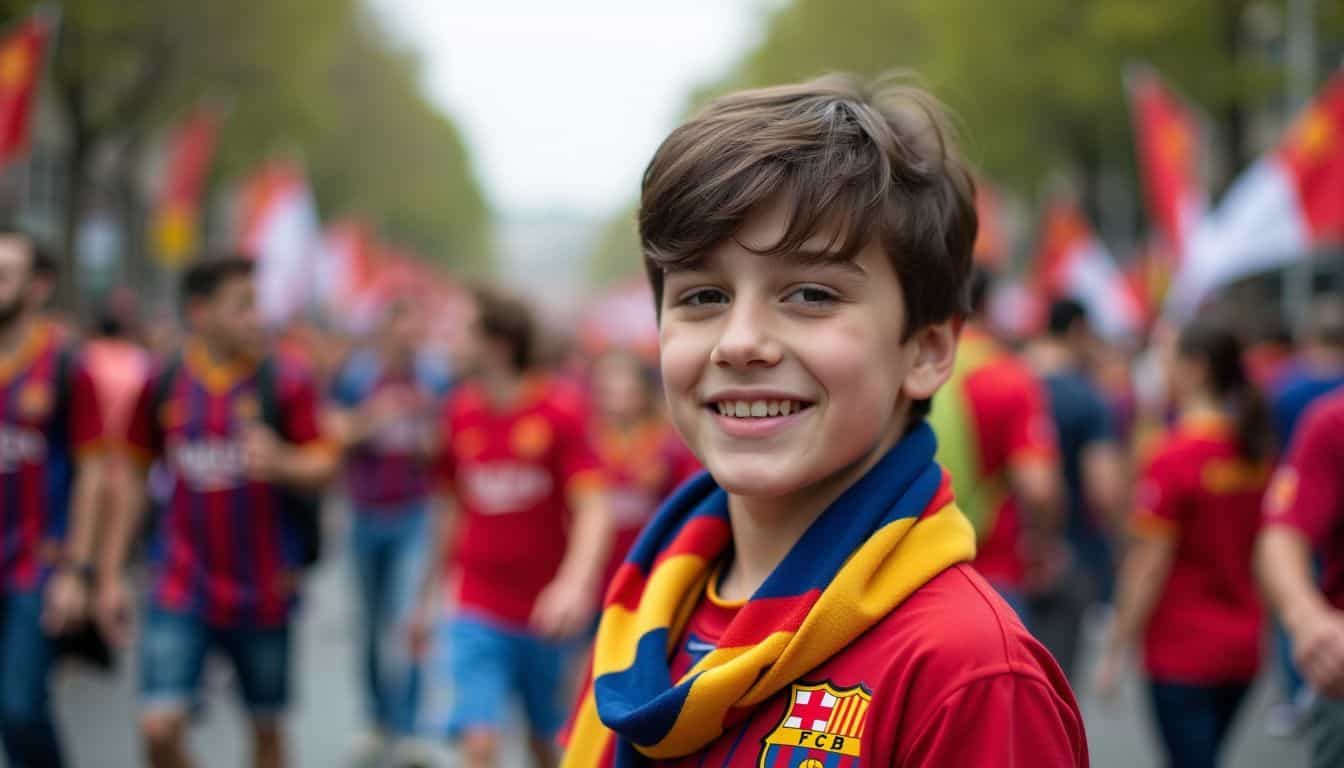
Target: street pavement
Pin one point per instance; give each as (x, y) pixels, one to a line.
(97, 714)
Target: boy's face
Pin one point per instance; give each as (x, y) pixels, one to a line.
(230, 317)
(815, 344)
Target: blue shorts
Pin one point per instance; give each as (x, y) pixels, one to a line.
(487, 664)
(173, 649)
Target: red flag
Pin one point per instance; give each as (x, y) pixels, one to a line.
(991, 245)
(1282, 209)
(177, 212)
(1168, 141)
(21, 55)
(1073, 262)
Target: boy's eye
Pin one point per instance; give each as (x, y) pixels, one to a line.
(811, 294)
(702, 297)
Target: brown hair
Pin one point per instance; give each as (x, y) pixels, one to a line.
(876, 158)
(507, 318)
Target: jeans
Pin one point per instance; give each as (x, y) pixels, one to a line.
(173, 650)
(1325, 733)
(389, 548)
(1193, 720)
(26, 655)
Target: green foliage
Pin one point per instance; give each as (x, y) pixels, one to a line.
(314, 79)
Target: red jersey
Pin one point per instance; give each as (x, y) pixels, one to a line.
(1206, 627)
(511, 470)
(224, 548)
(1013, 425)
(46, 423)
(641, 469)
(1308, 491)
(949, 678)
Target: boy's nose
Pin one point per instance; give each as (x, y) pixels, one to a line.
(746, 338)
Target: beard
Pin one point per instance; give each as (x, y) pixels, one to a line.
(10, 311)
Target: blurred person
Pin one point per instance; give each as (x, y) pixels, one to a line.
(809, 600)
(1304, 516)
(119, 368)
(50, 468)
(997, 439)
(1270, 353)
(1185, 588)
(523, 524)
(1317, 370)
(237, 428)
(1095, 479)
(643, 458)
(385, 402)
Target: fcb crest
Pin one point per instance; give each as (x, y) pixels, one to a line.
(35, 400)
(531, 437)
(821, 728)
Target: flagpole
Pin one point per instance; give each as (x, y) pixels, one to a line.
(1300, 74)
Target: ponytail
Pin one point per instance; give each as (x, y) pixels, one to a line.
(1221, 352)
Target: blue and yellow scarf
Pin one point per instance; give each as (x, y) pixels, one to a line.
(886, 536)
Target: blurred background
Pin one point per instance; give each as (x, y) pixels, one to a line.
(354, 145)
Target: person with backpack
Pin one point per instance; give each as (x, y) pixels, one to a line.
(50, 466)
(238, 430)
(384, 403)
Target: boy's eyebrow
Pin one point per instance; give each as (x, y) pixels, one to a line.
(823, 257)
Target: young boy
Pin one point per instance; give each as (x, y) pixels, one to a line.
(526, 528)
(808, 602)
(50, 426)
(239, 432)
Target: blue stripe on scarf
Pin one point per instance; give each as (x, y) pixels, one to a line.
(868, 505)
(701, 491)
(647, 680)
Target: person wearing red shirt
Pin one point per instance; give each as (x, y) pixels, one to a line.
(1304, 516)
(238, 431)
(643, 458)
(997, 437)
(521, 537)
(50, 475)
(1185, 587)
(809, 602)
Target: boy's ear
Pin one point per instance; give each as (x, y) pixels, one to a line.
(934, 353)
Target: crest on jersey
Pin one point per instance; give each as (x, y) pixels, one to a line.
(246, 409)
(531, 437)
(823, 724)
(35, 401)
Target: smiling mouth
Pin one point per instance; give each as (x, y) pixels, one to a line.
(757, 409)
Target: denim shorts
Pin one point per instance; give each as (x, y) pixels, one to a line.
(488, 664)
(173, 650)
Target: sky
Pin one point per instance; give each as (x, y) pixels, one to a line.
(563, 103)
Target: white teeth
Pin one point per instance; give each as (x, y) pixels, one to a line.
(757, 409)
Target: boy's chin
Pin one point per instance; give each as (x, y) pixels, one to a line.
(753, 480)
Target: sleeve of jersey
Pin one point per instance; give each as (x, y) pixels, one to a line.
(141, 435)
(1159, 499)
(86, 416)
(1032, 435)
(444, 468)
(579, 465)
(1005, 721)
(1307, 492)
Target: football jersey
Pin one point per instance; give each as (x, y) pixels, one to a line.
(45, 425)
(1011, 425)
(1206, 626)
(511, 469)
(641, 469)
(1307, 493)
(387, 471)
(224, 549)
(950, 678)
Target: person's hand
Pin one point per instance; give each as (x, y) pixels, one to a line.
(1046, 561)
(112, 610)
(420, 627)
(1318, 649)
(564, 608)
(264, 453)
(1106, 676)
(65, 603)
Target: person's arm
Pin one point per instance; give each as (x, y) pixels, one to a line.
(568, 603)
(1303, 505)
(1106, 483)
(444, 526)
(306, 460)
(112, 603)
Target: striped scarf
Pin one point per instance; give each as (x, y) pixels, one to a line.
(886, 536)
